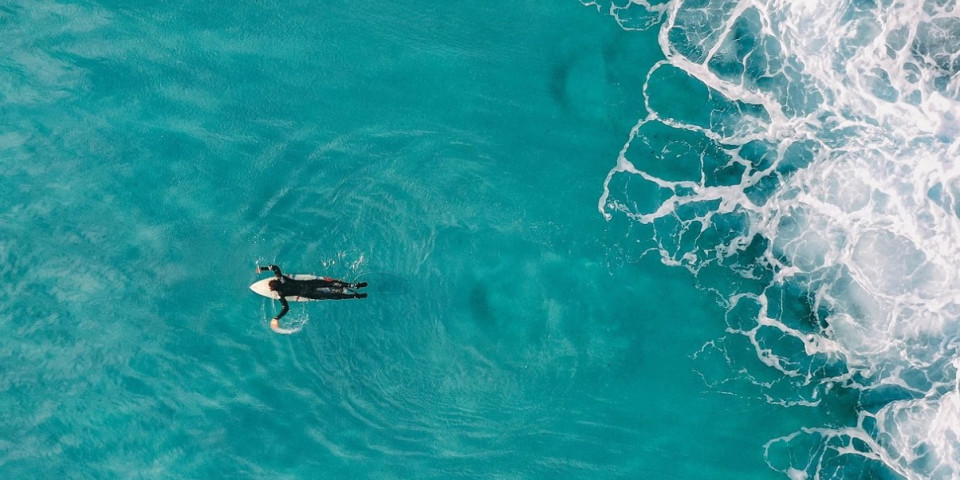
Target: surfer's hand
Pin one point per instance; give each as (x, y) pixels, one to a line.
(275, 323)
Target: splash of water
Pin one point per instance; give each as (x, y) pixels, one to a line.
(293, 327)
(820, 167)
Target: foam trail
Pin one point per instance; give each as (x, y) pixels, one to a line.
(287, 330)
(292, 326)
(822, 170)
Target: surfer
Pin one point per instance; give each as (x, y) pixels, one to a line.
(322, 288)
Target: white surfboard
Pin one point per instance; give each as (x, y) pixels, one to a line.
(262, 287)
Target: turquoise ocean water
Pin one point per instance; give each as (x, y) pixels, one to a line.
(765, 291)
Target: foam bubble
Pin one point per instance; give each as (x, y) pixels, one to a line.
(824, 163)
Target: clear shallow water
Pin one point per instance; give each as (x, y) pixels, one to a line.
(451, 155)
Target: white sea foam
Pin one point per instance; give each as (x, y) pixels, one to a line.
(292, 325)
(828, 166)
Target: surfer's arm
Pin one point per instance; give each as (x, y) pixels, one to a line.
(276, 270)
(275, 321)
(284, 310)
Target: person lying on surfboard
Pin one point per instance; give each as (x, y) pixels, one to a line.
(321, 288)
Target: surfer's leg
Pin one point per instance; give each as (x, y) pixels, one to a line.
(341, 284)
(326, 282)
(344, 296)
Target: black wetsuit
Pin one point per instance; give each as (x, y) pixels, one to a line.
(315, 288)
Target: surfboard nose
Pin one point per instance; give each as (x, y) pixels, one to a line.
(262, 287)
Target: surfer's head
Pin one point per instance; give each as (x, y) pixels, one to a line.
(274, 285)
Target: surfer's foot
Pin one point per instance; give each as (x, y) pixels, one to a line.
(360, 285)
(360, 295)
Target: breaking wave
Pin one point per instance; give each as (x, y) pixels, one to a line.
(810, 150)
